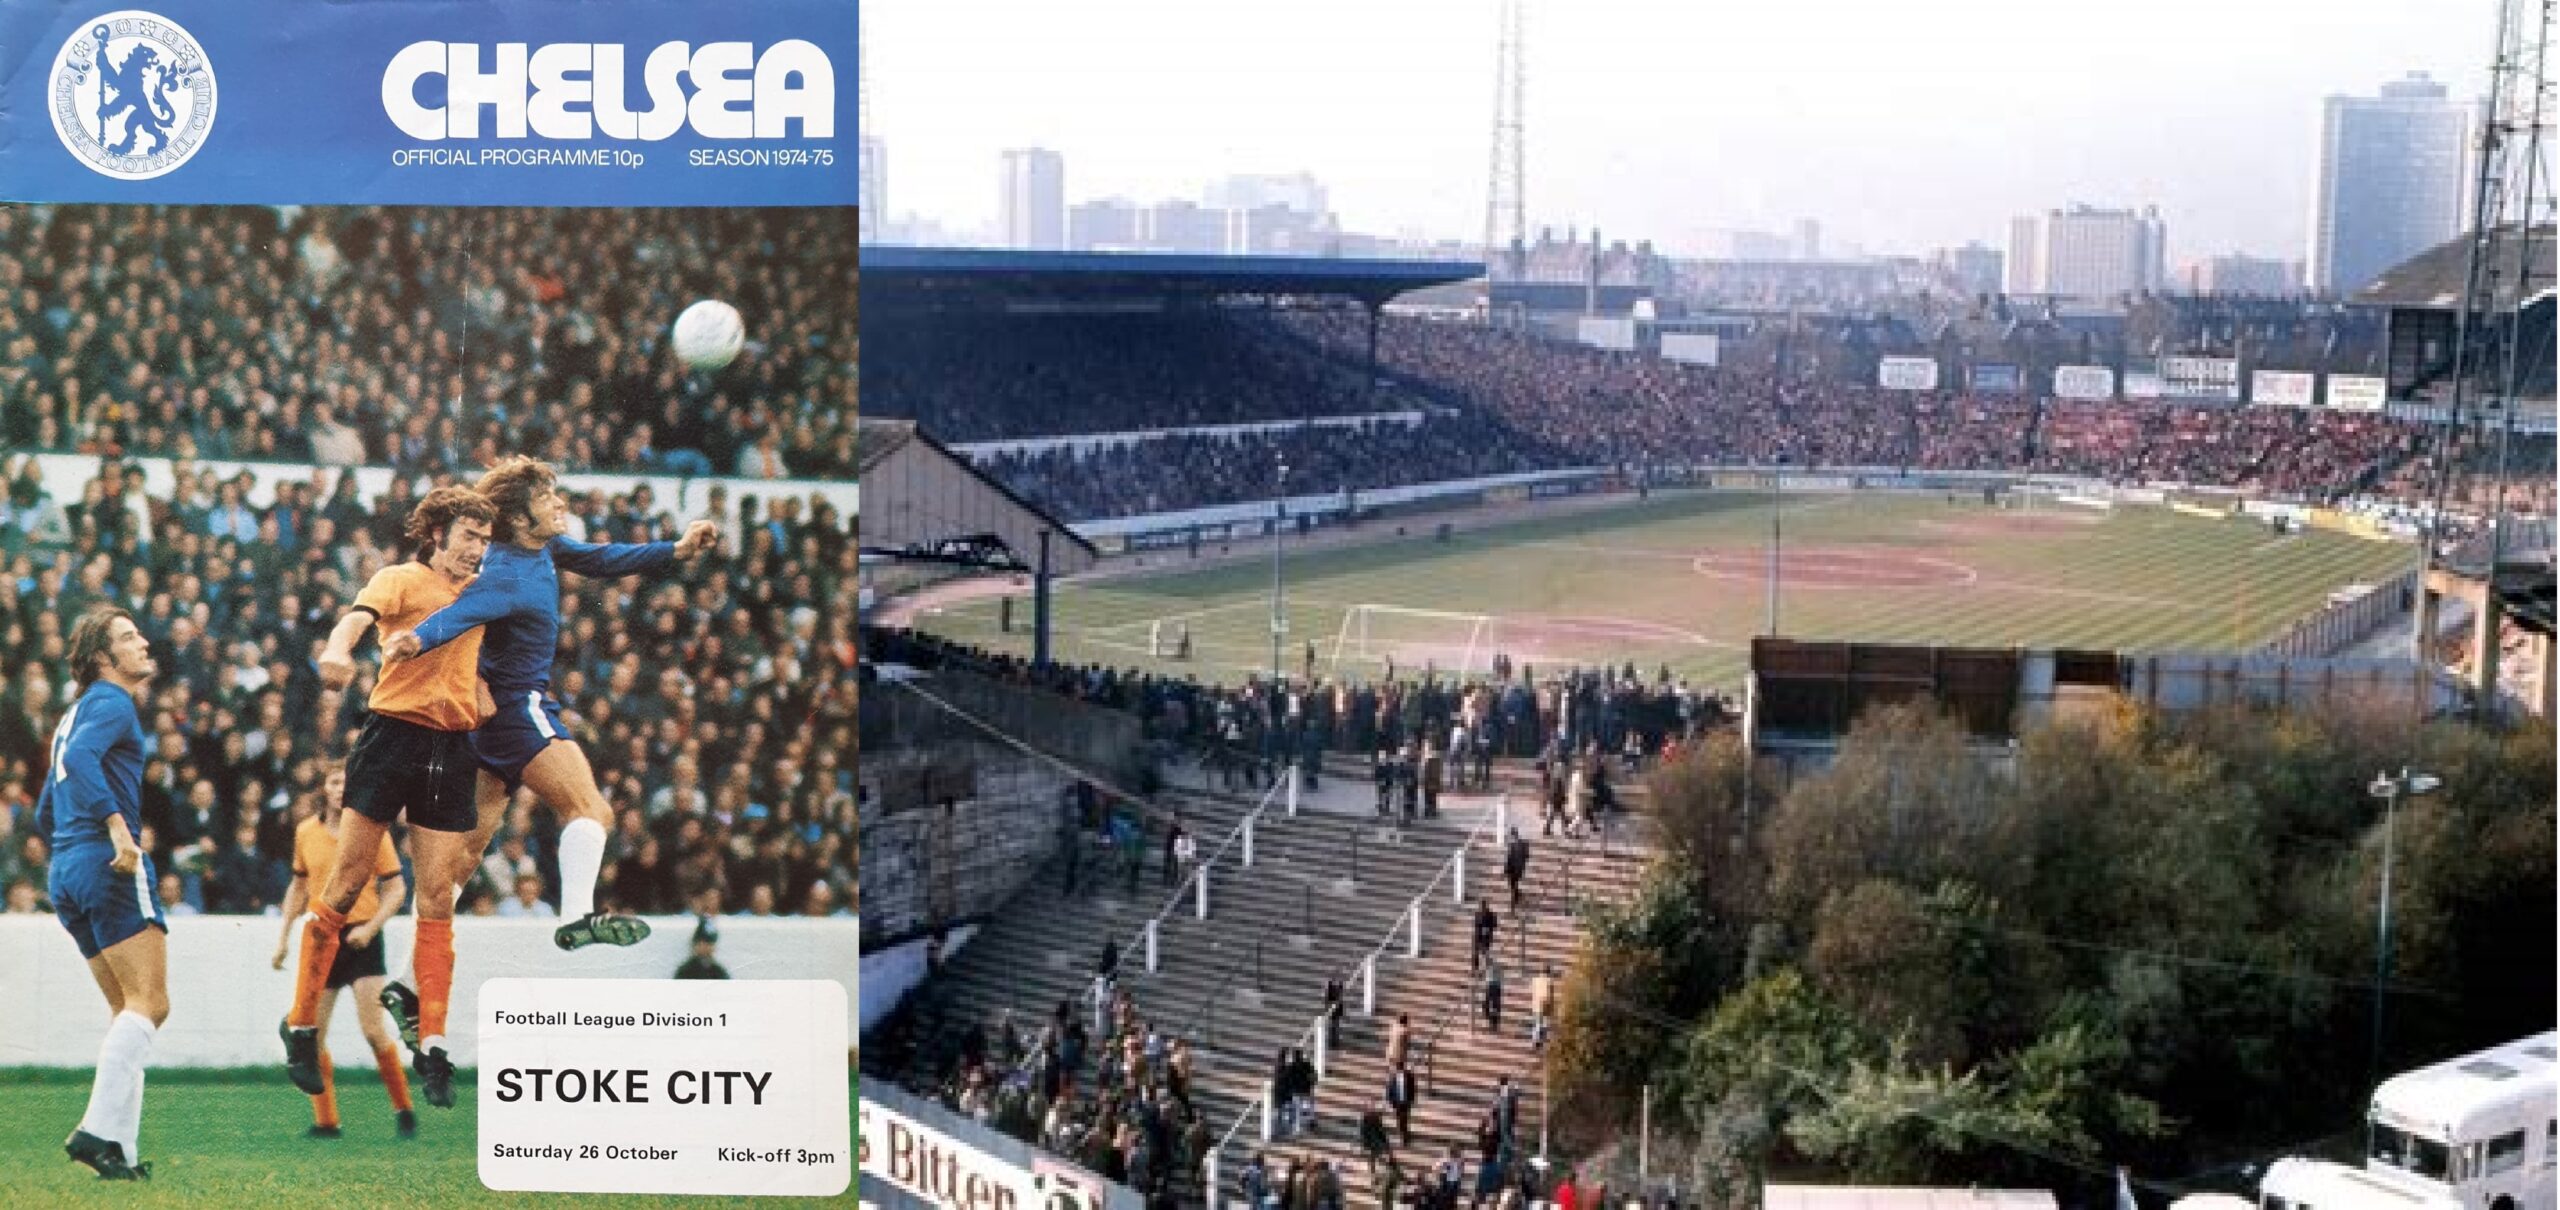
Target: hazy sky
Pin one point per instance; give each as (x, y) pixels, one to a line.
(1900, 126)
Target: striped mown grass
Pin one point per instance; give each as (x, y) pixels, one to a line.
(1682, 580)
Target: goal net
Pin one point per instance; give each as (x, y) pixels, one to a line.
(1372, 636)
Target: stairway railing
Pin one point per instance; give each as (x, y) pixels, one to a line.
(1408, 924)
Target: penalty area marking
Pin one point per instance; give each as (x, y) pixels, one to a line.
(1830, 567)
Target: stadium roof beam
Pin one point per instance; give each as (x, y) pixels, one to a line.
(931, 505)
(1020, 282)
(2422, 297)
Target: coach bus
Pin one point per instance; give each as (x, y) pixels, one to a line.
(2477, 1132)
(2299, 1184)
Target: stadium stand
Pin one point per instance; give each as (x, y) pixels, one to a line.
(1169, 474)
(991, 1035)
(1494, 401)
(1003, 1032)
(984, 377)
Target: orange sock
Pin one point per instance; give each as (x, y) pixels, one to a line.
(324, 1103)
(395, 1079)
(434, 961)
(319, 951)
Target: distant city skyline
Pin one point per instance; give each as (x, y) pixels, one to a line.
(2390, 180)
(1896, 129)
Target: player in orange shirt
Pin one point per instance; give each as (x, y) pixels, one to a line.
(414, 755)
(359, 962)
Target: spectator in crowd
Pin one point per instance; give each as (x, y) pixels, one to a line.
(703, 964)
(527, 900)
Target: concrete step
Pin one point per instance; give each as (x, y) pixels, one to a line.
(1328, 887)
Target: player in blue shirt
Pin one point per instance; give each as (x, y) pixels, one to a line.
(525, 744)
(102, 883)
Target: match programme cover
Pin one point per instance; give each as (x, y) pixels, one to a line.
(427, 676)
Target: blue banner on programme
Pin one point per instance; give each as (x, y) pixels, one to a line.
(438, 102)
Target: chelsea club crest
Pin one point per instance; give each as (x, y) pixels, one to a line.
(132, 95)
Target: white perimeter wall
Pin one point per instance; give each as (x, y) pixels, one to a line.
(893, 972)
(68, 475)
(225, 999)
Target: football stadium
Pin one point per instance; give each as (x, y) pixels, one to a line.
(222, 422)
(1533, 731)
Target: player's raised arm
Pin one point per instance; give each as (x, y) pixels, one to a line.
(699, 537)
(488, 599)
(610, 560)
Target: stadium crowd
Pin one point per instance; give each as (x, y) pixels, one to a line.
(1614, 409)
(716, 704)
(1118, 1103)
(1195, 470)
(1102, 1085)
(1497, 402)
(1511, 709)
(427, 339)
(976, 378)
(2284, 450)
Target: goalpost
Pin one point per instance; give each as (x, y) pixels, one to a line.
(1449, 641)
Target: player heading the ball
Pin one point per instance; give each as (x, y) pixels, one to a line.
(517, 600)
(414, 755)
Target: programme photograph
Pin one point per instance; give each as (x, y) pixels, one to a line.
(393, 599)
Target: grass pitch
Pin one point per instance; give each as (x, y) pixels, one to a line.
(1682, 580)
(235, 1139)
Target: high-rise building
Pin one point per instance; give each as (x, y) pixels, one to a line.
(1298, 191)
(874, 186)
(1973, 268)
(1181, 226)
(2391, 181)
(1112, 224)
(2238, 273)
(1033, 207)
(1808, 239)
(2085, 252)
(2024, 273)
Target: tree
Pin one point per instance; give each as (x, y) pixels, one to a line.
(1933, 970)
(1743, 1070)
(1771, 1044)
(2473, 868)
(1940, 962)
(1877, 954)
(2064, 1093)
(1890, 1120)
(1641, 966)
(1905, 800)
(1698, 809)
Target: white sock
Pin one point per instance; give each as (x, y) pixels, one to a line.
(115, 1095)
(430, 1042)
(581, 858)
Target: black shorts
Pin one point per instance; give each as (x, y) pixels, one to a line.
(355, 962)
(431, 774)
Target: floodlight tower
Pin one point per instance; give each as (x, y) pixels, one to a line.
(2510, 191)
(1506, 223)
